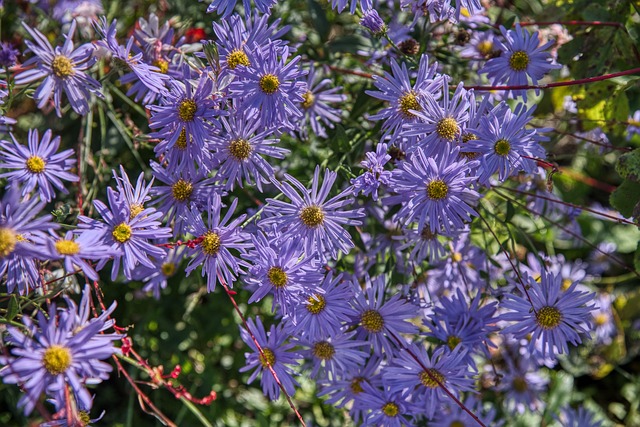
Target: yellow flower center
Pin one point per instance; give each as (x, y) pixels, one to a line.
(35, 164)
(485, 47)
(317, 303)
(237, 57)
(277, 277)
(430, 380)
(437, 189)
(240, 149)
(162, 65)
(457, 423)
(600, 319)
(566, 284)
(448, 128)
(181, 142)
(269, 84)
(372, 321)
(67, 247)
(502, 147)
(62, 66)
(548, 317)
(84, 418)
(519, 384)
(121, 232)
(312, 216)
(453, 341)
(182, 190)
(187, 110)
(308, 99)
(519, 60)
(211, 243)
(409, 101)
(268, 357)
(390, 409)
(56, 359)
(356, 385)
(135, 209)
(323, 350)
(168, 269)
(8, 240)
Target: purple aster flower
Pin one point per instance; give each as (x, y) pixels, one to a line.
(426, 244)
(441, 122)
(157, 46)
(381, 322)
(480, 47)
(240, 150)
(56, 354)
(127, 234)
(183, 189)
(385, 409)
(149, 75)
(521, 381)
(38, 165)
(18, 227)
(580, 417)
(224, 8)
(371, 21)
(187, 108)
(435, 194)
(269, 87)
(275, 353)
(396, 88)
(461, 270)
(348, 387)
(465, 325)
(313, 219)
(63, 69)
(87, 244)
(281, 269)
(236, 38)
(155, 279)
(315, 104)
(375, 175)
(8, 55)
(418, 380)
(506, 146)
(216, 238)
(334, 356)
(522, 58)
(553, 317)
(324, 311)
(603, 320)
(132, 197)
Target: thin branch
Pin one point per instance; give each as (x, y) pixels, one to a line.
(557, 84)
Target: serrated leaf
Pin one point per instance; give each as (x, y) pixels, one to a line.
(625, 198)
(628, 165)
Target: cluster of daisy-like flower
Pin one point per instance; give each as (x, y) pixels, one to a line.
(393, 354)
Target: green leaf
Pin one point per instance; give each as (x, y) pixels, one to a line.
(320, 21)
(628, 165)
(12, 310)
(636, 258)
(510, 212)
(625, 198)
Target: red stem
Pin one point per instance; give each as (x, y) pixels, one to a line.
(230, 294)
(557, 84)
